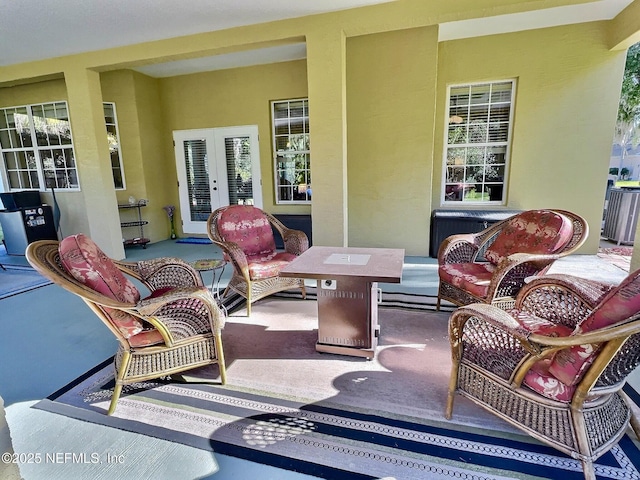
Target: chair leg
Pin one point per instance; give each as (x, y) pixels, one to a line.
(120, 374)
(217, 337)
(634, 421)
(249, 297)
(304, 291)
(453, 385)
(589, 471)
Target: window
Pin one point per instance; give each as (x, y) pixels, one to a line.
(477, 144)
(37, 147)
(290, 120)
(111, 120)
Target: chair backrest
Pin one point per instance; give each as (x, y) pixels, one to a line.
(619, 305)
(89, 265)
(249, 227)
(534, 232)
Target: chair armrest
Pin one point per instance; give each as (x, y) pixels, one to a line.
(295, 241)
(161, 311)
(564, 299)
(165, 272)
(461, 248)
(494, 340)
(491, 315)
(510, 274)
(236, 255)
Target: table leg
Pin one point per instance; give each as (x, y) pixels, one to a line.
(347, 317)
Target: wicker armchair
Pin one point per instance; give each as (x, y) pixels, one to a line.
(490, 266)
(554, 366)
(177, 328)
(245, 235)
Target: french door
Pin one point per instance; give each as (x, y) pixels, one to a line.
(216, 167)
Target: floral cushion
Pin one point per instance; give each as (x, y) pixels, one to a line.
(146, 338)
(249, 227)
(261, 267)
(470, 277)
(88, 264)
(621, 303)
(540, 380)
(535, 231)
(538, 377)
(540, 325)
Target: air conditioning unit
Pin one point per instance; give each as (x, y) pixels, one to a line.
(622, 215)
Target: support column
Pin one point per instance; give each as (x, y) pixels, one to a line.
(326, 73)
(93, 161)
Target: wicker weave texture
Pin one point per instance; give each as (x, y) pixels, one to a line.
(295, 242)
(187, 317)
(493, 352)
(511, 273)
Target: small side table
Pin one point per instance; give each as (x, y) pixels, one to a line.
(217, 266)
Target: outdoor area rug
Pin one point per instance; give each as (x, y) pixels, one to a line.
(331, 416)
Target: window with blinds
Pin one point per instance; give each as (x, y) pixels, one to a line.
(237, 152)
(478, 133)
(197, 168)
(291, 150)
(115, 153)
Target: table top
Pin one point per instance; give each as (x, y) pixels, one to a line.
(207, 264)
(374, 264)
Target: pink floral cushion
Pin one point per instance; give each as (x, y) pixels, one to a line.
(538, 377)
(248, 227)
(621, 303)
(88, 264)
(470, 277)
(261, 267)
(534, 231)
(146, 338)
(540, 325)
(540, 380)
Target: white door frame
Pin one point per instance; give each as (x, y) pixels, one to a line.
(217, 169)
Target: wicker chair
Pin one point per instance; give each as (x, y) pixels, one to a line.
(245, 235)
(490, 266)
(554, 366)
(177, 328)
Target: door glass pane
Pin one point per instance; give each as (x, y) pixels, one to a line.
(237, 152)
(197, 168)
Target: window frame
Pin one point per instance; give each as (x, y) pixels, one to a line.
(305, 152)
(118, 148)
(501, 147)
(36, 148)
(39, 169)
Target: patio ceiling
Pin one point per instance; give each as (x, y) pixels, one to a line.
(34, 30)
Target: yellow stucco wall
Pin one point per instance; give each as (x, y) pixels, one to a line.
(233, 97)
(356, 73)
(391, 85)
(568, 84)
(74, 215)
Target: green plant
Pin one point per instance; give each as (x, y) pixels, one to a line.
(627, 131)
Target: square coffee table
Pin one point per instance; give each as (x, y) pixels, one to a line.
(348, 293)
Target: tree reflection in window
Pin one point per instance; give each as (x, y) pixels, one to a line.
(292, 153)
(478, 129)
